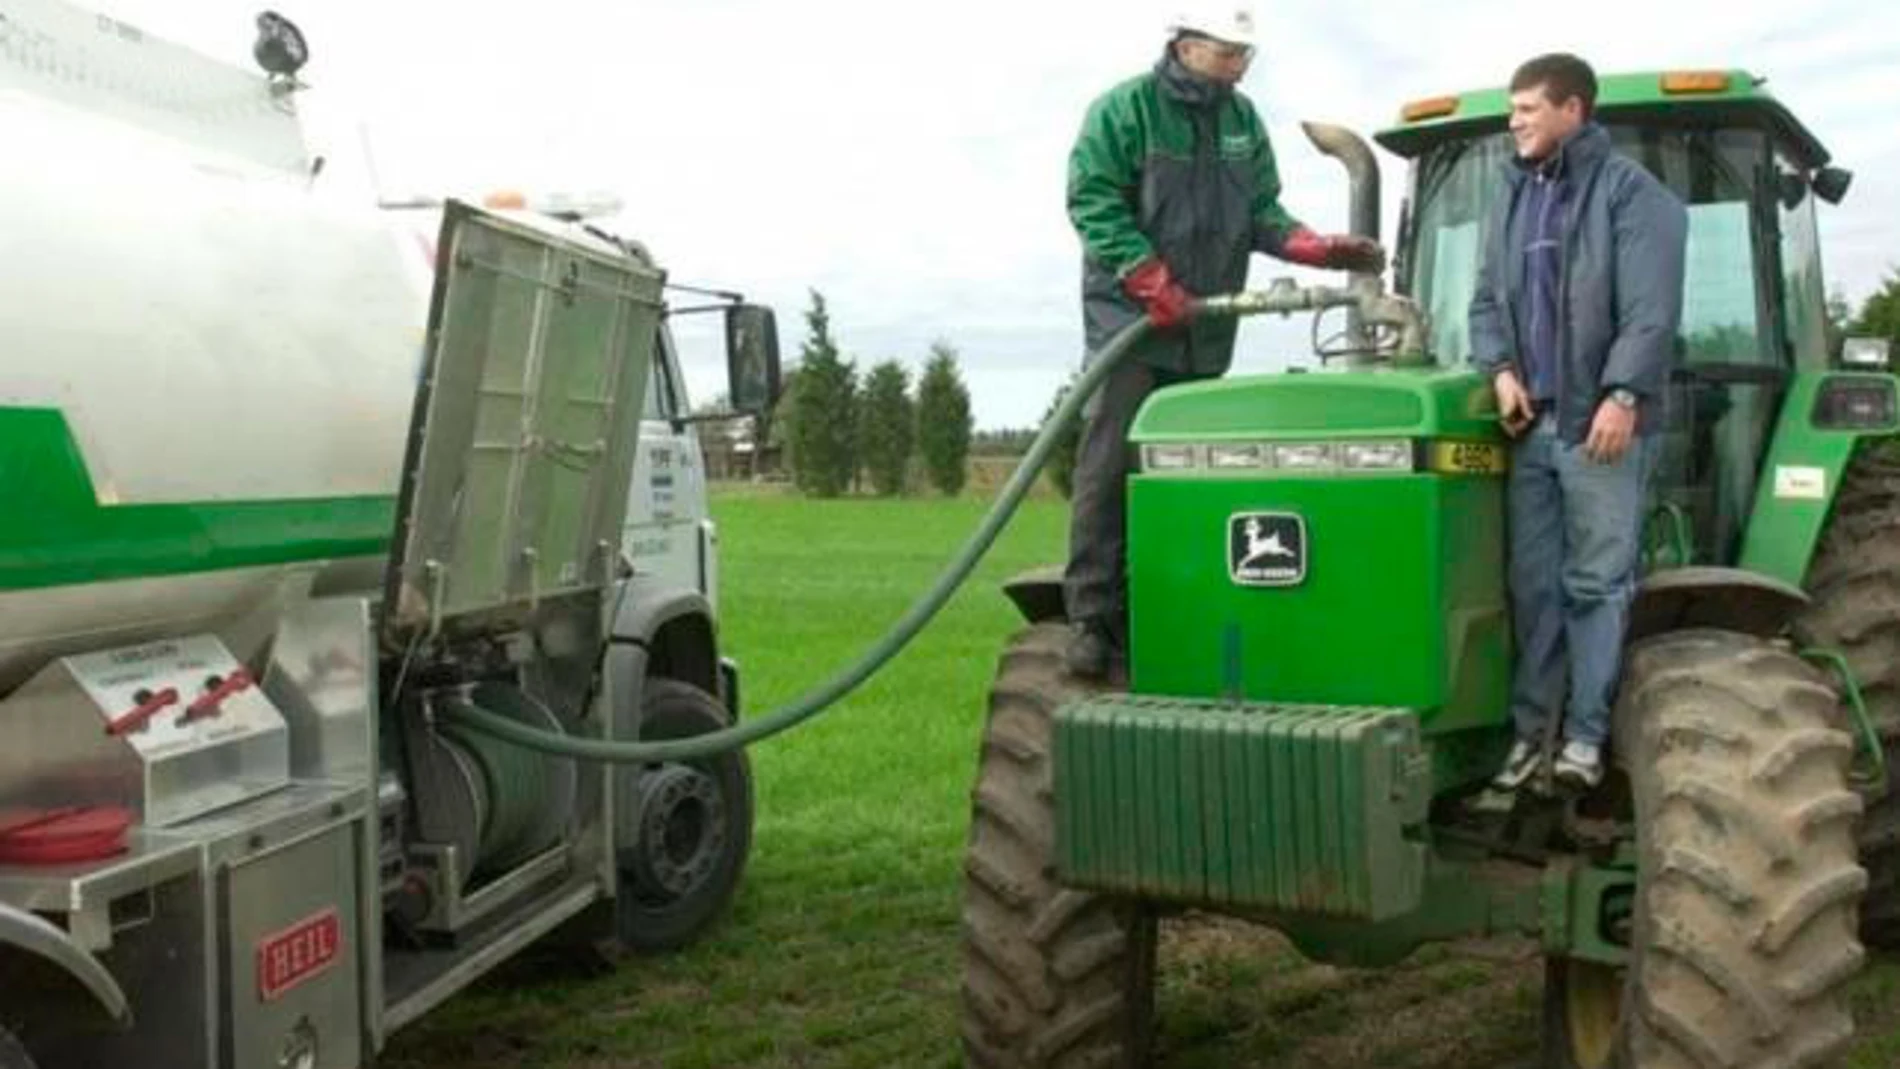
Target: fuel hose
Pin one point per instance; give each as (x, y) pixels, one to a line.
(472, 716)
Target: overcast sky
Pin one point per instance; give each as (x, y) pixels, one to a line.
(907, 160)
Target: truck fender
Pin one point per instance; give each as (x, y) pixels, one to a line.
(665, 629)
(24, 934)
(1734, 599)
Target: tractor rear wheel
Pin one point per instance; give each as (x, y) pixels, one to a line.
(1053, 978)
(1747, 883)
(1855, 584)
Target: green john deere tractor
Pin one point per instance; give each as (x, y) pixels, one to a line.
(1320, 652)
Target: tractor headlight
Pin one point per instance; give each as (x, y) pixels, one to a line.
(1246, 455)
(1376, 456)
(1167, 457)
(1304, 456)
(1259, 459)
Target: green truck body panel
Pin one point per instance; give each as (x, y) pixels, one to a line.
(1306, 809)
(54, 531)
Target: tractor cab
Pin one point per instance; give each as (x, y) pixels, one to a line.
(1754, 304)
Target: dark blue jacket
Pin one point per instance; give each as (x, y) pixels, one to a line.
(1625, 237)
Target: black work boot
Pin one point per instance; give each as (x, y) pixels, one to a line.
(1091, 650)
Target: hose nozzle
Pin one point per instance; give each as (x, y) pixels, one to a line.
(1374, 306)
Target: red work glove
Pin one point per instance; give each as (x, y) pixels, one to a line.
(1345, 252)
(1153, 286)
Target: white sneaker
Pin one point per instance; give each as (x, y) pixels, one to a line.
(1580, 766)
(1519, 766)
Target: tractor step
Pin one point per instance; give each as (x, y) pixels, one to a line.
(1316, 810)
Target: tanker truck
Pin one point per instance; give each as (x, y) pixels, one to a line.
(266, 511)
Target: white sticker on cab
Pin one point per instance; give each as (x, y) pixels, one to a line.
(1802, 484)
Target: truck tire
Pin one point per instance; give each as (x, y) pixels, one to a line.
(1053, 977)
(13, 1053)
(683, 845)
(1747, 884)
(1855, 583)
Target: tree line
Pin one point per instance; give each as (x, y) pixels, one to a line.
(839, 432)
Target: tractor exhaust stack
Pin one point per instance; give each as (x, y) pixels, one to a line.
(1362, 172)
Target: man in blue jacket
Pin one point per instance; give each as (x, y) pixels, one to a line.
(1575, 317)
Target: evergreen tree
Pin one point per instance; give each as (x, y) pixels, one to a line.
(823, 414)
(887, 423)
(944, 423)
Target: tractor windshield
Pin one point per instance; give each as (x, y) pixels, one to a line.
(1744, 247)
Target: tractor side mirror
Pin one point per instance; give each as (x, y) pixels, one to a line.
(752, 360)
(1790, 188)
(1830, 183)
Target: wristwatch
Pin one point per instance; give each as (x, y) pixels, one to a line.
(1622, 396)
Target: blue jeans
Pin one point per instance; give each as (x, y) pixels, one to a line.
(1575, 536)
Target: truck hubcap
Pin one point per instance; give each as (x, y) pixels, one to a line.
(682, 832)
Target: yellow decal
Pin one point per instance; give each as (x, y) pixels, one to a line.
(1468, 458)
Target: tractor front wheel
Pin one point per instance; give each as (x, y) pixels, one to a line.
(1053, 977)
(1747, 880)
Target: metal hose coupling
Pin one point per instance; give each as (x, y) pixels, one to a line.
(1376, 308)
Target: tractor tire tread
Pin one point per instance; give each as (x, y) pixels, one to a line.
(1053, 977)
(1740, 961)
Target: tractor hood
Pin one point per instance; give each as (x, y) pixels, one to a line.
(526, 420)
(1411, 404)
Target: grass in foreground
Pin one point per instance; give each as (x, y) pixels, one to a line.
(841, 951)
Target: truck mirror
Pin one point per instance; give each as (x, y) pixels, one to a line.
(1830, 183)
(752, 364)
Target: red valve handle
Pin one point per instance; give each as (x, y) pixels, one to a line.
(208, 703)
(144, 711)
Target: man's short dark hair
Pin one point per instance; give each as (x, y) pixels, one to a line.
(1562, 77)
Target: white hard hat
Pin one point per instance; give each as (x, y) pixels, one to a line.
(1224, 20)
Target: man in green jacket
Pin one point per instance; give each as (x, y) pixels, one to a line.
(1172, 186)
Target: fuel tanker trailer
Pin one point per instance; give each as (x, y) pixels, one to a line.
(267, 509)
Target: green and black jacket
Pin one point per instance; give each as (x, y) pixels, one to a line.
(1168, 162)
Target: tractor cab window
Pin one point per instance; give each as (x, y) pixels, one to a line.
(1717, 173)
(1733, 351)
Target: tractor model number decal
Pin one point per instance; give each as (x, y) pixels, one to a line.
(1468, 458)
(1266, 549)
(289, 956)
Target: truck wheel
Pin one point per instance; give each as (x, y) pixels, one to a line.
(685, 827)
(1747, 885)
(1855, 584)
(1052, 977)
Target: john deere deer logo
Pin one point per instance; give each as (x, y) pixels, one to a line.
(1266, 549)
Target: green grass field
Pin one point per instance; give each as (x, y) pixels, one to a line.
(842, 949)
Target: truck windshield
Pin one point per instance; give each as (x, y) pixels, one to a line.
(1717, 172)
